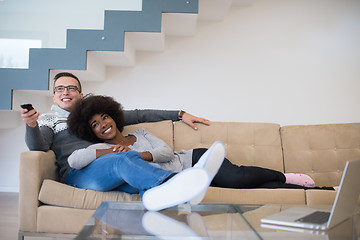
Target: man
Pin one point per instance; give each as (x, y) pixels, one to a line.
(49, 131)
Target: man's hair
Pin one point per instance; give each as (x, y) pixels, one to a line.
(67, 74)
(85, 109)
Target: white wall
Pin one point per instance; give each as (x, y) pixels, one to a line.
(281, 61)
(289, 62)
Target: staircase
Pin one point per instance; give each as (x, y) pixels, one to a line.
(89, 52)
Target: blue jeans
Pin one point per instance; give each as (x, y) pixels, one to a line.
(126, 172)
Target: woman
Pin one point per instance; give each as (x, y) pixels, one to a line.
(128, 172)
(100, 119)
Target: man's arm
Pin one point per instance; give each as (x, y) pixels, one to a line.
(36, 139)
(140, 116)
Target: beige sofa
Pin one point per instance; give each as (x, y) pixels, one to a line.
(47, 206)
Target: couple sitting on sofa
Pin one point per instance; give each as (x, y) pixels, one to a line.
(49, 131)
(116, 162)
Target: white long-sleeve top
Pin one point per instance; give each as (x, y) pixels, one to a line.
(162, 154)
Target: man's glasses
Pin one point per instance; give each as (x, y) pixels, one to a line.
(70, 88)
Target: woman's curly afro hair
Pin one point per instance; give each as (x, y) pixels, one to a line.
(85, 109)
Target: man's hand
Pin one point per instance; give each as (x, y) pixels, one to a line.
(190, 120)
(30, 117)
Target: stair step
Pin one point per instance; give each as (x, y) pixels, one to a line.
(173, 24)
(89, 52)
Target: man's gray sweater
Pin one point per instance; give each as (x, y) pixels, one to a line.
(52, 133)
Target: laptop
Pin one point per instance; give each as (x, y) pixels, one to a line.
(344, 205)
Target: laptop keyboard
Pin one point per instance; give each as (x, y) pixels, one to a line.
(318, 217)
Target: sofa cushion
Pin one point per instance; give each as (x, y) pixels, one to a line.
(320, 151)
(255, 196)
(51, 219)
(252, 144)
(322, 197)
(59, 194)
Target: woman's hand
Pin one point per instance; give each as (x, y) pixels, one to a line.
(120, 148)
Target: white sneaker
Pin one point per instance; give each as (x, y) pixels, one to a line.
(211, 161)
(165, 227)
(181, 188)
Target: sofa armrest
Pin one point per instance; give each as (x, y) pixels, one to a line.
(35, 166)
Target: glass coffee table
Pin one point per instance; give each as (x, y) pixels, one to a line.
(349, 229)
(130, 220)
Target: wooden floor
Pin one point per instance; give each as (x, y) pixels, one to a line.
(9, 218)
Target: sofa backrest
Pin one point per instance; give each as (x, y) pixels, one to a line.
(320, 151)
(163, 130)
(255, 144)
